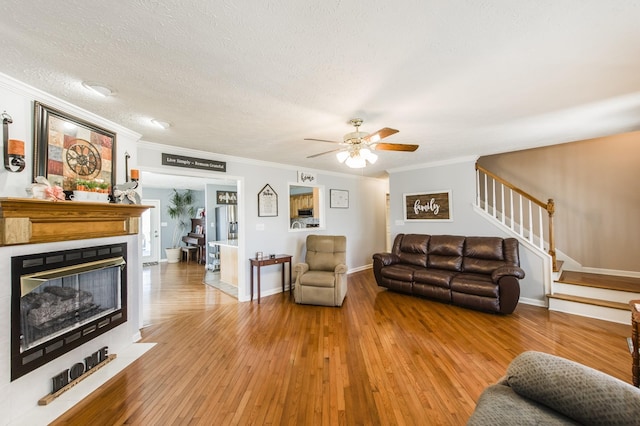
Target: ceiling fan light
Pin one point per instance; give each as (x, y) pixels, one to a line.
(356, 162)
(371, 158)
(342, 156)
(368, 155)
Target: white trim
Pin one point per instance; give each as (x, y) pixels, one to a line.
(242, 160)
(547, 273)
(532, 302)
(27, 91)
(471, 158)
(360, 268)
(573, 265)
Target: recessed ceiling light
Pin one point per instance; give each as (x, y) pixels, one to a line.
(99, 88)
(162, 124)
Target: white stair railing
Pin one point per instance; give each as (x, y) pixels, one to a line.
(524, 214)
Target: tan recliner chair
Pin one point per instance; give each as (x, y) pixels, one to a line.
(322, 279)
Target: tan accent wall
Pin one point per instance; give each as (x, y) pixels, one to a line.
(596, 187)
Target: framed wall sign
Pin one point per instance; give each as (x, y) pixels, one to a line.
(339, 199)
(68, 149)
(267, 202)
(428, 206)
(226, 197)
(306, 177)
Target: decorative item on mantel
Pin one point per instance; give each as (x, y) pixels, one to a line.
(43, 190)
(125, 193)
(13, 148)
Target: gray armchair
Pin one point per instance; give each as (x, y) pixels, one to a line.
(322, 278)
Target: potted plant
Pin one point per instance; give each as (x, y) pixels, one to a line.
(181, 209)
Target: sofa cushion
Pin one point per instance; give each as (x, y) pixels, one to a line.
(400, 272)
(480, 285)
(318, 279)
(481, 266)
(413, 249)
(577, 391)
(324, 252)
(482, 255)
(436, 277)
(499, 405)
(484, 248)
(445, 252)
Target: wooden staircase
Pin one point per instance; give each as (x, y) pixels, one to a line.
(527, 217)
(594, 295)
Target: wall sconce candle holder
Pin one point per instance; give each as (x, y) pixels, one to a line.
(13, 148)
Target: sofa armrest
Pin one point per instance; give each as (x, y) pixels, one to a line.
(301, 268)
(341, 269)
(504, 271)
(575, 390)
(386, 259)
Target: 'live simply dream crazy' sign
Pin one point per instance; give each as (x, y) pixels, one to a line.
(193, 163)
(434, 206)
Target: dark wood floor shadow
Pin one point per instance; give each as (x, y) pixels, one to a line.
(382, 358)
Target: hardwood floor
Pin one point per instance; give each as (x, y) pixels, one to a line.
(382, 358)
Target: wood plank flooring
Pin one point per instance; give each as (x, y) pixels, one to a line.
(381, 359)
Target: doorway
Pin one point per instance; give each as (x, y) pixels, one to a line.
(150, 222)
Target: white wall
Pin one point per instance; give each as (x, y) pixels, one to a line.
(459, 177)
(22, 394)
(17, 100)
(363, 223)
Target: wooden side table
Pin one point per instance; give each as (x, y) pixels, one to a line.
(633, 347)
(265, 261)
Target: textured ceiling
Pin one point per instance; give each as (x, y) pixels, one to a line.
(252, 79)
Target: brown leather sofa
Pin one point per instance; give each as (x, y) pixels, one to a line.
(475, 272)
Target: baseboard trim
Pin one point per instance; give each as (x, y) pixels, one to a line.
(533, 302)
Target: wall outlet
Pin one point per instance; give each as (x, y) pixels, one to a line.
(163, 224)
(399, 222)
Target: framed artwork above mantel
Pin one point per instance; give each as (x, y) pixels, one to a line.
(68, 149)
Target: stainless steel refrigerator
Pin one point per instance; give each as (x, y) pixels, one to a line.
(227, 222)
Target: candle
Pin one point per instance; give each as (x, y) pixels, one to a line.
(15, 147)
(135, 174)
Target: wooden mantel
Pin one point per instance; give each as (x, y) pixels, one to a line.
(31, 221)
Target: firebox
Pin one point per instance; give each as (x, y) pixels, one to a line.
(61, 300)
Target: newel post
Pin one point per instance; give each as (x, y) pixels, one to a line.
(551, 209)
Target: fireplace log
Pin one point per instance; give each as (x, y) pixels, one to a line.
(56, 303)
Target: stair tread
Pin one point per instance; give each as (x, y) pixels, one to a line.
(611, 282)
(590, 301)
(558, 267)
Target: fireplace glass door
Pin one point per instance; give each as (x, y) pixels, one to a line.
(56, 301)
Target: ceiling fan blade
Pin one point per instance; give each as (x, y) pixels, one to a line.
(394, 147)
(321, 140)
(380, 134)
(323, 153)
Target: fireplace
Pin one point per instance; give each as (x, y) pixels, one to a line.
(63, 299)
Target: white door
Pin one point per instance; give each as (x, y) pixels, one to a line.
(151, 232)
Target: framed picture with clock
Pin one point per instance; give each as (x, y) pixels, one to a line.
(68, 150)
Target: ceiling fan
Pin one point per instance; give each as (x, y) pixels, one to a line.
(357, 146)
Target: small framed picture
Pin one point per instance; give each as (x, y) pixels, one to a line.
(339, 199)
(267, 202)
